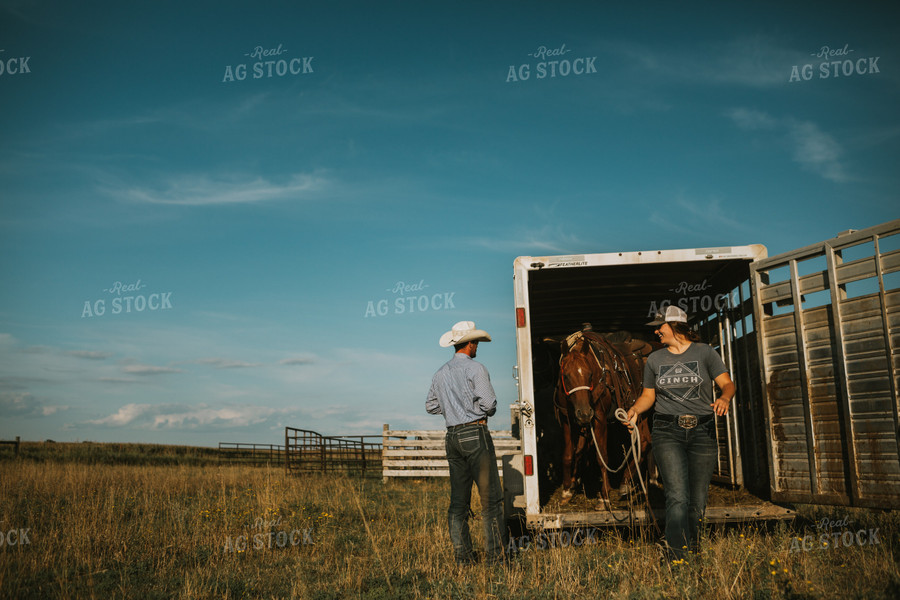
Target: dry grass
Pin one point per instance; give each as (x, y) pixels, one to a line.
(171, 532)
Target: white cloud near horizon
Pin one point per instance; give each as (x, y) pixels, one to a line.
(180, 416)
(15, 402)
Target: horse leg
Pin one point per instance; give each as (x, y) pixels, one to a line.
(600, 437)
(568, 463)
(632, 468)
(627, 485)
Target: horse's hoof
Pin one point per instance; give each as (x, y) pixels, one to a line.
(565, 496)
(602, 504)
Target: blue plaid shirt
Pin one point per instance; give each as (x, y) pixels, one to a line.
(461, 391)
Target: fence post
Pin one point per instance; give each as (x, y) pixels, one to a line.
(287, 454)
(362, 449)
(384, 439)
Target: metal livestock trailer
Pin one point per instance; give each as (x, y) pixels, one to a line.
(810, 338)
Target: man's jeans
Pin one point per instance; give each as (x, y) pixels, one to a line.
(470, 452)
(686, 459)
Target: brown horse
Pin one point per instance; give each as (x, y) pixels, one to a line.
(596, 377)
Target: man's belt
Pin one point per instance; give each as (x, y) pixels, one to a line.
(478, 422)
(684, 421)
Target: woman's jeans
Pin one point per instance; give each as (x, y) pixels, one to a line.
(686, 459)
(470, 452)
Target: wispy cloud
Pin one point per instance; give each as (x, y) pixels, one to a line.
(225, 363)
(531, 243)
(202, 190)
(117, 380)
(298, 361)
(179, 416)
(90, 354)
(749, 60)
(815, 150)
(549, 238)
(149, 370)
(17, 403)
(693, 215)
(752, 120)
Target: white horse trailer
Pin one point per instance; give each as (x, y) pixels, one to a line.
(810, 338)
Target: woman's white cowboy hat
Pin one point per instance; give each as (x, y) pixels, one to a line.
(464, 331)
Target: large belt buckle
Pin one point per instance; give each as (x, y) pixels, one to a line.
(687, 421)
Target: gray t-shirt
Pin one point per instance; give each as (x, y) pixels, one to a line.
(684, 382)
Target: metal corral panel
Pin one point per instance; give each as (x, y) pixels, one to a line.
(829, 326)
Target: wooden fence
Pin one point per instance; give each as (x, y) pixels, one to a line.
(421, 453)
(14, 443)
(253, 454)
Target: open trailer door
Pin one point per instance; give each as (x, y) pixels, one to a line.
(620, 292)
(828, 319)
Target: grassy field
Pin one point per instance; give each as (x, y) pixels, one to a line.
(193, 528)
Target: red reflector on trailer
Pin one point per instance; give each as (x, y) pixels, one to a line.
(529, 465)
(520, 317)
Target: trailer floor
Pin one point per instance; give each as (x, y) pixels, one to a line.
(725, 504)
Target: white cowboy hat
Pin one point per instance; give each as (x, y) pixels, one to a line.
(464, 331)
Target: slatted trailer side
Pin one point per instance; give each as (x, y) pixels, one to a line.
(829, 327)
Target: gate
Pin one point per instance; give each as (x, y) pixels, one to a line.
(308, 451)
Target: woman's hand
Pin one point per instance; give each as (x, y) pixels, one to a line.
(632, 418)
(643, 403)
(720, 406)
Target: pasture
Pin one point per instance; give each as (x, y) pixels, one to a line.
(181, 525)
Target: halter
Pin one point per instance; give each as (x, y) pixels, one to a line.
(589, 388)
(621, 378)
(562, 381)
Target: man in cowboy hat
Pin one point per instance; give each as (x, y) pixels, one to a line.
(461, 391)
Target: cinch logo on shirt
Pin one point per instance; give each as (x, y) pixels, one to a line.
(681, 380)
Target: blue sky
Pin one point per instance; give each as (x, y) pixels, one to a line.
(262, 216)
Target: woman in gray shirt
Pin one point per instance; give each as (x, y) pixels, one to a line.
(678, 381)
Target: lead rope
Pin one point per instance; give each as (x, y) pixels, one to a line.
(622, 416)
(635, 449)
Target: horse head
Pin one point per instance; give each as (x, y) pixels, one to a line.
(579, 379)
